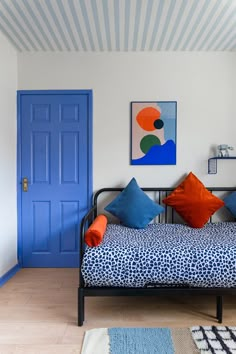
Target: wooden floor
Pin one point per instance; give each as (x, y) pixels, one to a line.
(38, 312)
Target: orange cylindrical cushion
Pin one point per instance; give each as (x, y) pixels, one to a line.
(96, 231)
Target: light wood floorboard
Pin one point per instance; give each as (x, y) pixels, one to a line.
(38, 312)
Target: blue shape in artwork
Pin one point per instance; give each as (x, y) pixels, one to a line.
(168, 115)
(159, 155)
(169, 129)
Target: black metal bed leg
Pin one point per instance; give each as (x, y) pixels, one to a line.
(80, 307)
(219, 308)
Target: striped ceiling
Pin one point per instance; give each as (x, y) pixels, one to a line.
(119, 25)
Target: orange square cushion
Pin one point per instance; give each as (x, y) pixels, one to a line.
(194, 203)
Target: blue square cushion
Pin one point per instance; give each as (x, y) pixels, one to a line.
(230, 203)
(133, 207)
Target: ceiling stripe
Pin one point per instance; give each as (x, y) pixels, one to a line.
(77, 24)
(225, 37)
(97, 24)
(234, 44)
(102, 23)
(230, 43)
(166, 25)
(122, 24)
(86, 20)
(112, 24)
(48, 25)
(186, 24)
(196, 24)
(157, 23)
(57, 24)
(28, 24)
(149, 7)
(35, 19)
(136, 24)
(10, 38)
(141, 24)
(127, 17)
(151, 25)
(206, 24)
(176, 24)
(14, 18)
(67, 23)
(131, 24)
(215, 24)
(231, 16)
(14, 31)
(107, 24)
(119, 25)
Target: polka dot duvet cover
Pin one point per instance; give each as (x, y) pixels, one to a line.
(171, 254)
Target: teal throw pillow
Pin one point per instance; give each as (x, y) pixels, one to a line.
(133, 207)
(230, 203)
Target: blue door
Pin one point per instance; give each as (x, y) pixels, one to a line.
(54, 175)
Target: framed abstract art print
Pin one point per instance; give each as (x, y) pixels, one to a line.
(153, 133)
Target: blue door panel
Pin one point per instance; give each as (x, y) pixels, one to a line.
(40, 157)
(55, 157)
(69, 226)
(69, 157)
(41, 226)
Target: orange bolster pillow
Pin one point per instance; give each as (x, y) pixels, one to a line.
(96, 231)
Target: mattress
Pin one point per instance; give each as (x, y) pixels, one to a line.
(163, 254)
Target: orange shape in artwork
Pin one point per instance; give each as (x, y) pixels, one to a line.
(146, 118)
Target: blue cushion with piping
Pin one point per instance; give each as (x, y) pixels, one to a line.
(133, 207)
(230, 203)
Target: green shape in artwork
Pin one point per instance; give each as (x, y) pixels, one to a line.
(148, 141)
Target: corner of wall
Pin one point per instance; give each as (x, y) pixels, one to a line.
(8, 210)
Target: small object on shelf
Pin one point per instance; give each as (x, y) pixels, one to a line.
(212, 166)
(212, 163)
(223, 150)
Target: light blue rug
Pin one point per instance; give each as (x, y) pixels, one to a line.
(140, 340)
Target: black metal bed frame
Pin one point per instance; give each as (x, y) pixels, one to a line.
(84, 291)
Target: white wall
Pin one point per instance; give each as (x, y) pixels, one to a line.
(8, 223)
(203, 84)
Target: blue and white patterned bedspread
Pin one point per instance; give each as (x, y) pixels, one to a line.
(163, 253)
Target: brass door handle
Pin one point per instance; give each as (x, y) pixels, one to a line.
(25, 184)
